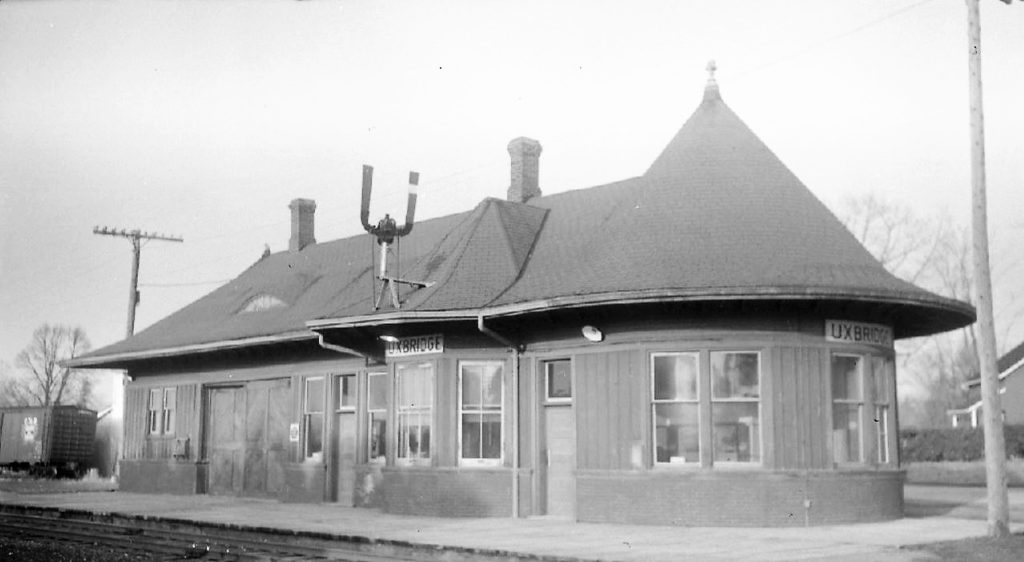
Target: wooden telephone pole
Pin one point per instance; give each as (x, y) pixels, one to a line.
(992, 411)
(136, 237)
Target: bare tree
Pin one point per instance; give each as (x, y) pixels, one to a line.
(44, 380)
(936, 255)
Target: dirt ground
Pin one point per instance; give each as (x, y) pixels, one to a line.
(26, 549)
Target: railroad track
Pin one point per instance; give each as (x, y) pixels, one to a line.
(176, 541)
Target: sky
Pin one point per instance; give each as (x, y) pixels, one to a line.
(205, 119)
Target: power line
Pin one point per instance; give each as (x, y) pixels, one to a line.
(812, 46)
(135, 237)
(189, 284)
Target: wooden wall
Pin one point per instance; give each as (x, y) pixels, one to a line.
(611, 410)
(795, 397)
(139, 444)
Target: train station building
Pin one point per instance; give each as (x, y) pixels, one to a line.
(704, 344)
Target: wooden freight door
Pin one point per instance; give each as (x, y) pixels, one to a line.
(343, 456)
(225, 443)
(561, 461)
(266, 436)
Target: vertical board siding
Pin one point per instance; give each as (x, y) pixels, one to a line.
(609, 409)
(135, 422)
(186, 421)
(798, 391)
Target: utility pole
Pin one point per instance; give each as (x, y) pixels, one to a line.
(136, 237)
(992, 411)
(118, 399)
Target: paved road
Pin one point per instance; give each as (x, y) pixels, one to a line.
(964, 502)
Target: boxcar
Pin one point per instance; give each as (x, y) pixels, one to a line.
(60, 437)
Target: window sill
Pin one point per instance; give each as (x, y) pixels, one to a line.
(476, 463)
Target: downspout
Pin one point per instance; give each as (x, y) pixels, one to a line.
(348, 351)
(515, 407)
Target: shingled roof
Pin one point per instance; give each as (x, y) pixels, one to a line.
(717, 216)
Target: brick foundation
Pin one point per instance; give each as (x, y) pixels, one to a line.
(158, 477)
(739, 499)
(447, 492)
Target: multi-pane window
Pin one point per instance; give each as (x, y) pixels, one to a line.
(415, 406)
(480, 412)
(558, 380)
(882, 377)
(160, 419)
(377, 416)
(155, 403)
(345, 392)
(169, 408)
(736, 406)
(676, 408)
(313, 419)
(847, 403)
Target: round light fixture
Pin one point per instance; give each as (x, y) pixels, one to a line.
(388, 338)
(592, 333)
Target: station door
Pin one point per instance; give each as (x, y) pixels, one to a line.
(247, 437)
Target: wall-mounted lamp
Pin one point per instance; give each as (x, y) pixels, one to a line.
(592, 334)
(388, 338)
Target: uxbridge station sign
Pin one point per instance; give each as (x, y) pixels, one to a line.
(858, 332)
(417, 345)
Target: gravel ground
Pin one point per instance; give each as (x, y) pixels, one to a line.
(24, 549)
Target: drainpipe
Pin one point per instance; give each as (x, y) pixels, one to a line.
(348, 351)
(515, 407)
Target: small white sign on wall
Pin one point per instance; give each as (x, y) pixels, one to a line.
(293, 433)
(858, 332)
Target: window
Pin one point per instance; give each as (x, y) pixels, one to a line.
(415, 405)
(155, 405)
(847, 403)
(160, 418)
(169, 407)
(377, 414)
(480, 412)
(345, 392)
(676, 408)
(736, 406)
(882, 376)
(558, 380)
(263, 302)
(313, 419)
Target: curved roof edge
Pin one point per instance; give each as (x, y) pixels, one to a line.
(953, 313)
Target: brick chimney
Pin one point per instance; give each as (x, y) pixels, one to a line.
(525, 155)
(302, 224)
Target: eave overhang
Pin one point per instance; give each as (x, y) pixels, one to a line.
(122, 360)
(941, 314)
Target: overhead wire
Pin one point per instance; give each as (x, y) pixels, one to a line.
(831, 39)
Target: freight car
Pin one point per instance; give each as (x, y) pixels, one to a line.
(55, 440)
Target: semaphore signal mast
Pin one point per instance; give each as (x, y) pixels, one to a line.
(387, 232)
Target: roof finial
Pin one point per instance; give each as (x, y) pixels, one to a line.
(711, 89)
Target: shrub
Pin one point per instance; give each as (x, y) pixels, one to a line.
(955, 444)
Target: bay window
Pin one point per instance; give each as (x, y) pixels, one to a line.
(709, 398)
(847, 404)
(480, 412)
(736, 406)
(676, 407)
(377, 417)
(415, 409)
(883, 377)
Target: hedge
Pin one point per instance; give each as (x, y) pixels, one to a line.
(955, 444)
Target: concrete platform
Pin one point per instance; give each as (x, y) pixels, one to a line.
(946, 515)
